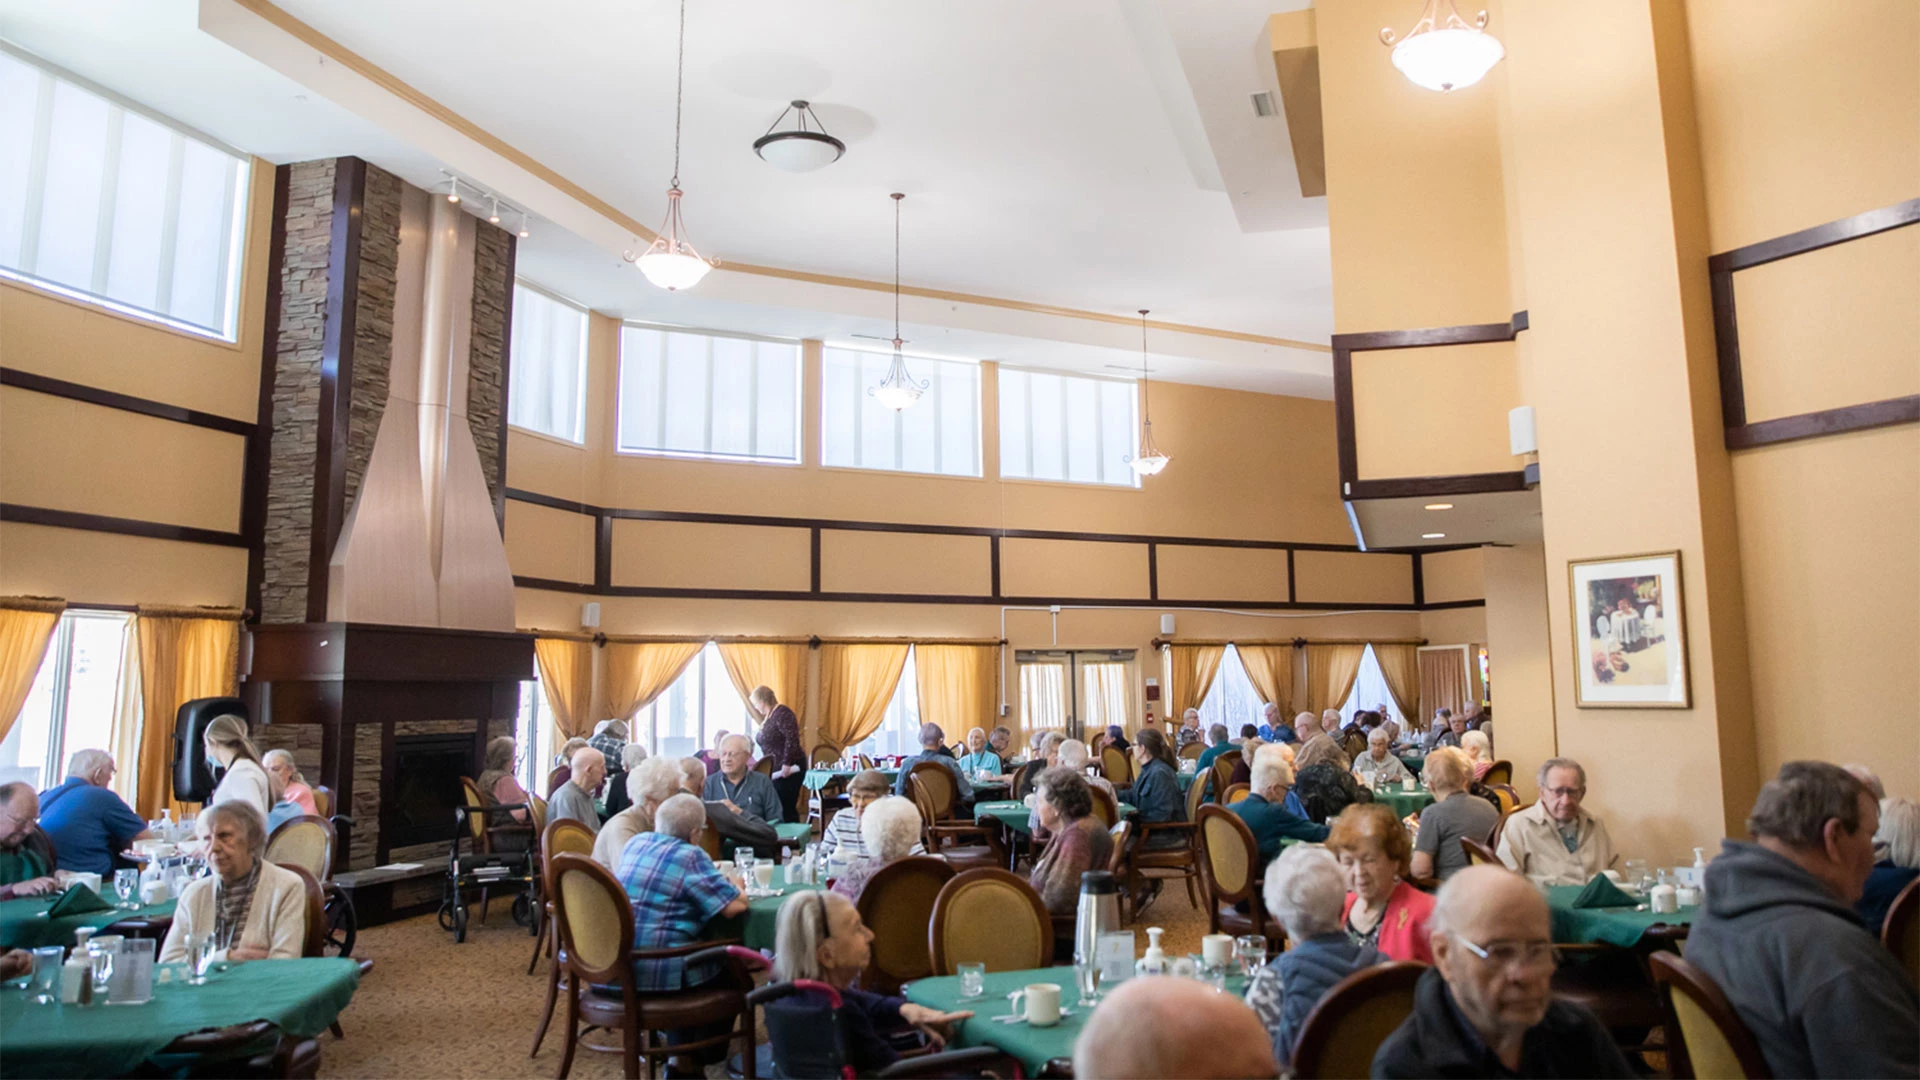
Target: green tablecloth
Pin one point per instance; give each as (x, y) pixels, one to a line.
(819, 778)
(1414, 762)
(1611, 926)
(756, 928)
(1014, 815)
(1405, 802)
(24, 923)
(794, 832)
(301, 996)
(1033, 1046)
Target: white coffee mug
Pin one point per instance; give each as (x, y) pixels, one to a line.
(1407, 784)
(1043, 1004)
(1216, 949)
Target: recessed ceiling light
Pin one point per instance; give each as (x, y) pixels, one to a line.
(1439, 506)
(1433, 536)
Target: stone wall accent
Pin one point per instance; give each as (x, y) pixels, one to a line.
(363, 848)
(493, 258)
(302, 740)
(408, 728)
(373, 321)
(296, 390)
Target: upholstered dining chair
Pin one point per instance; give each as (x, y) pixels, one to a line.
(564, 836)
(1342, 1033)
(1023, 783)
(1705, 1037)
(1478, 853)
(990, 917)
(1900, 931)
(1153, 859)
(553, 778)
(306, 842)
(964, 844)
(1105, 806)
(1116, 765)
(1235, 792)
(824, 755)
(897, 905)
(942, 790)
(1193, 750)
(316, 940)
(1500, 772)
(1230, 875)
(323, 799)
(1223, 770)
(596, 940)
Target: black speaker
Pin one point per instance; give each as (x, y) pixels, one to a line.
(193, 779)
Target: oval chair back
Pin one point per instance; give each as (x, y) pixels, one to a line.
(315, 940)
(476, 818)
(866, 762)
(1023, 783)
(897, 905)
(1105, 806)
(942, 791)
(1500, 772)
(1478, 854)
(1197, 793)
(1223, 769)
(1712, 1040)
(990, 917)
(1509, 798)
(595, 919)
(1229, 856)
(554, 779)
(1235, 792)
(323, 799)
(565, 836)
(305, 842)
(1354, 745)
(1901, 930)
(764, 767)
(1117, 862)
(1116, 765)
(1342, 1033)
(1193, 750)
(824, 755)
(1501, 825)
(539, 813)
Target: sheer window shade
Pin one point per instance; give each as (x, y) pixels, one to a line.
(707, 395)
(1076, 428)
(547, 379)
(940, 434)
(108, 204)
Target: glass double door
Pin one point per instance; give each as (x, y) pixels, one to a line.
(1076, 691)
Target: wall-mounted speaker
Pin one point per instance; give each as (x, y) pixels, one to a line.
(192, 777)
(1521, 434)
(590, 615)
(1166, 625)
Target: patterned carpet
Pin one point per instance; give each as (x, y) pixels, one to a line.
(433, 1008)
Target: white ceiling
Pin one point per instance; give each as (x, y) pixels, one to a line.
(1091, 154)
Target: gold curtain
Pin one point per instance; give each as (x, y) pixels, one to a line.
(856, 682)
(779, 666)
(26, 625)
(1401, 665)
(1270, 669)
(1443, 683)
(566, 674)
(1330, 673)
(185, 653)
(957, 685)
(1190, 673)
(639, 671)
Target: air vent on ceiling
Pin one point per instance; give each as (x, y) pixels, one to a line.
(1263, 104)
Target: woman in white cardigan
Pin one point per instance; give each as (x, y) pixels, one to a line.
(246, 780)
(251, 908)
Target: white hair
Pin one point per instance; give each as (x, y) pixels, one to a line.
(1074, 754)
(84, 763)
(680, 817)
(1306, 891)
(748, 743)
(631, 755)
(653, 780)
(801, 927)
(1378, 734)
(889, 827)
(1477, 745)
(1270, 710)
(1190, 714)
(1900, 832)
(1308, 720)
(980, 731)
(1868, 777)
(1270, 768)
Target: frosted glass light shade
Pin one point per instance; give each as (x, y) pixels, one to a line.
(673, 270)
(1448, 59)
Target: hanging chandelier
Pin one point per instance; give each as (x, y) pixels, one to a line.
(799, 149)
(671, 263)
(1149, 461)
(1445, 53)
(898, 390)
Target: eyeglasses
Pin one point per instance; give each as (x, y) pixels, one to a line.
(1508, 954)
(1564, 792)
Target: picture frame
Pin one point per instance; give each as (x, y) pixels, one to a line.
(1629, 632)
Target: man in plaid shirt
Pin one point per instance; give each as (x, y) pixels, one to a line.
(610, 738)
(676, 891)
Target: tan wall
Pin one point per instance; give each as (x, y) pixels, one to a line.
(1517, 636)
(905, 563)
(1208, 573)
(65, 455)
(1446, 576)
(1434, 411)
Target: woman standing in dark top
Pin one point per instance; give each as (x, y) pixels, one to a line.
(780, 743)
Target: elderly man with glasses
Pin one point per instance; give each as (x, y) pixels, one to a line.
(1486, 1008)
(1555, 841)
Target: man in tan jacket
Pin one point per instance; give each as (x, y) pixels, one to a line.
(1554, 841)
(252, 909)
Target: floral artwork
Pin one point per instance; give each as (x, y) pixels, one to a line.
(1630, 644)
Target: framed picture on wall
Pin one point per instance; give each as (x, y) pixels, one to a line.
(1629, 633)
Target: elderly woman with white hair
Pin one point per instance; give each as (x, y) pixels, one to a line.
(1380, 765)
(293, 786)
(889, 829)
(820, 937)
(647, 785)
(1479, 750)
(1898, 843)
(1305, 893)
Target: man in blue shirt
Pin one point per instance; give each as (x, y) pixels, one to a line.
(931, 740)
(744, 790)
(1265, 810)
(88, 823)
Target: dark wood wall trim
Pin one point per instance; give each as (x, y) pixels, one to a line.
(1345, 345)
(1419, 581)
(1153, 572)
(1742, 435)
(101, 523)
(45, 384)
(506, 371)
(253, 501)
(336, 378)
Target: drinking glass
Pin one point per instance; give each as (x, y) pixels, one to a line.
(126, 883)
(743, 858)
(46, 973)
(200, 956)
(101, 949)
(1637, 875)
(1086, 974)
(1252, 951)
(973, 980)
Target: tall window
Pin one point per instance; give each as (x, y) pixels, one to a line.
(709, 395)
(1231, 700)
(547, 378)
(111, 205)
(1077, 428)
(940, 434)
(71, 705)
(699, 705)
(1370, 690)
(899, 732)
(533, 736)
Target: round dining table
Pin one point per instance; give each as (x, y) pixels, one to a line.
(25, 924)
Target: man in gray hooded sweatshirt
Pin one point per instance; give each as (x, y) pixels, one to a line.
(1820, 994)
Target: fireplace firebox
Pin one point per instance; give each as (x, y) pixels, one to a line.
(426, 787)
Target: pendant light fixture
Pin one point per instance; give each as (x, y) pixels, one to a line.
(799, 149)
(898, 390)
(1149, 461)
(1445, 53)
(671, 263)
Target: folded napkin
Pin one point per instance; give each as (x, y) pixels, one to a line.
(1601, 893)
(78, 900)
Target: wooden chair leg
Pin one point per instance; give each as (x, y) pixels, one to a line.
(1191, 898)
(630, 1046)
(546, 1015)
(335, 1028)
(573, 1030)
